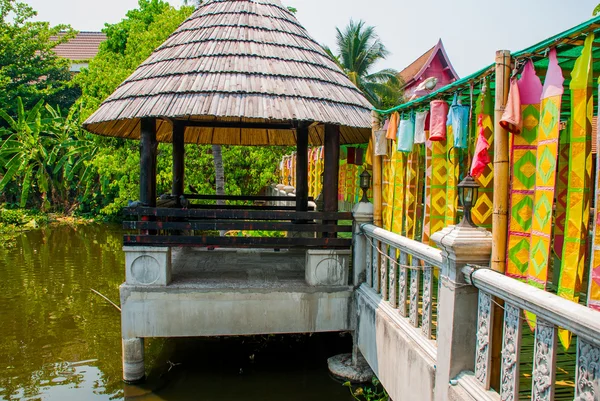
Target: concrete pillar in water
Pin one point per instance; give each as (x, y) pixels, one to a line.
(354, 367)
(133, 360)
(457, 305)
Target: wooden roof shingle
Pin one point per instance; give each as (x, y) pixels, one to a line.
(237, 61)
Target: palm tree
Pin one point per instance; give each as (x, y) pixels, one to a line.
(359, 49)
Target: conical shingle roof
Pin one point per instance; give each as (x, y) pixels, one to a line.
(237, 61)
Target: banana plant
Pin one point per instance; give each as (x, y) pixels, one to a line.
(43, 150)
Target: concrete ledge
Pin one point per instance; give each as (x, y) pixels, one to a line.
(327, 266)
(148, 266)
(402, 359)
(189, 312)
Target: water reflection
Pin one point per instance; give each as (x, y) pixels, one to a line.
(59, 341)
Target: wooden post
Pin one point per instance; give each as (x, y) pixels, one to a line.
(148, 146)
(332, 168)
(377, 172)
(500, 216)
(500, 200)
(302, 168)
(178, 160)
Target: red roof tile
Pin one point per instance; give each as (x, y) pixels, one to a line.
(83, 47)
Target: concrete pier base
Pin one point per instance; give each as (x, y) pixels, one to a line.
(343, 367)
(133, 360)
(229, 293)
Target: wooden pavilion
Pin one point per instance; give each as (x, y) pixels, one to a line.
(237, 72)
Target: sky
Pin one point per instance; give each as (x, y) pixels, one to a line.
(472, 30)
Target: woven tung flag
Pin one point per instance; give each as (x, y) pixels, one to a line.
(593, 300)
(427, 191)
(545, 178)
(438, 187)
(579, 181)
(412, 198)
(452, 165)
(399, 184)
(387, 192)
(482, 168)
(523, 151)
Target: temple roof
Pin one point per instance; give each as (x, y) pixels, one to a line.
(417, 68)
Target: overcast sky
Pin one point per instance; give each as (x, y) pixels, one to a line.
(472, 30)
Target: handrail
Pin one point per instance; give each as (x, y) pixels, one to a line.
(424, 252)
(582, 321)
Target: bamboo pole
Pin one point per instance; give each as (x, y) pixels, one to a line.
(377, 172)
(500, 199)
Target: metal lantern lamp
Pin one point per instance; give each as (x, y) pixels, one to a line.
(289, 180)
(365, 184)
(467, 193)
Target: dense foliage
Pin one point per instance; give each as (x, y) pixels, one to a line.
(359, 48)
(29, 68)
(48, 162)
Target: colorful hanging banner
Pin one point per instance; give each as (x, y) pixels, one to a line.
(545, 178)
(482, 212)
(593, 300)
(579, 181)
(387, 191)
(412, 192)
(523, 152)
(562, 186)
(427, 191)
(399, 162)
(439, 181)
(452, 164)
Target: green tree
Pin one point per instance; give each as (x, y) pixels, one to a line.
(129, 42)
(359, 49)
(29, 68)
(597, 10)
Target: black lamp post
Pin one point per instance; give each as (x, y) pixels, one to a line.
(365, 184)
(467, 193)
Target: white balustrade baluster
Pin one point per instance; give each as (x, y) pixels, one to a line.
(427, 301)
(383, 270)
(485, 314)
(511, 347)
(587, 378)
(403, 283)
(393, 266)
(415, 278)
(376, 276)
(369, 264)
(544, 361)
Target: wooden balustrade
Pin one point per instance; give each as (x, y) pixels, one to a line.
(176, 227)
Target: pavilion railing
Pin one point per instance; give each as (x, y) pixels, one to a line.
(260, 226)
(550, 312)
(402, 272)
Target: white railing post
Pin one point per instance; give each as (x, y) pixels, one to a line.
(457, 311)
(363, 214)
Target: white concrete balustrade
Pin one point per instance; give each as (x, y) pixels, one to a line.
(400, 312)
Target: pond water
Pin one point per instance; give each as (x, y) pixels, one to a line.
(61, 342)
